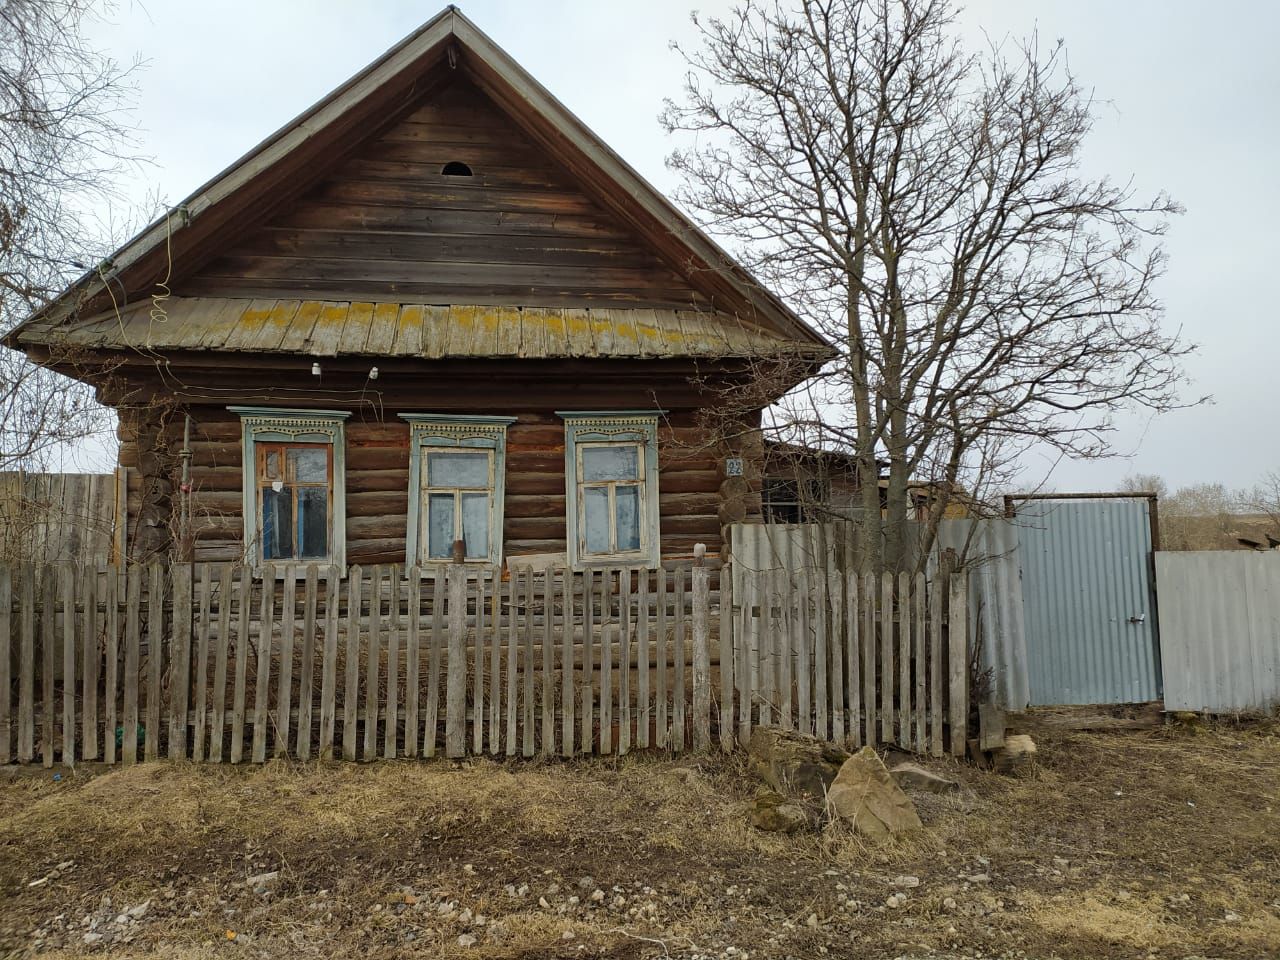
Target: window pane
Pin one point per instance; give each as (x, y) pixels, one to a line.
(627, 505)
(440, 526)
(313, 522)
(610, 463)
(475, 524)
(272, 461)
(458, 470)
(595, 501)
(309, 464)
(277, 524)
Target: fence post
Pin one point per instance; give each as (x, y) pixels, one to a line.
(726, 658)
(701, 651)
(180, 662)
(958, 663)
(456, 687)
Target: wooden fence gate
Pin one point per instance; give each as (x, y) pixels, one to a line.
(219, 663)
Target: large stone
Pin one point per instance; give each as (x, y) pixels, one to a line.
(864, 795)
(911, 776)
(773, 812)
(793, 763)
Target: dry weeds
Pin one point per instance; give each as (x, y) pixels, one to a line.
(1115, 845)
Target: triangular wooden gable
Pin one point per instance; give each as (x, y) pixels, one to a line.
(390, 224)
(347, 202)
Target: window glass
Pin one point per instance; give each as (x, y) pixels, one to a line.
(458, 470)
(627, 513)
(308, 464)
(595, 518)
(610, 463)
(313, 522)
(440, 526)
(272, 465)
(475, 524)
(277, 524)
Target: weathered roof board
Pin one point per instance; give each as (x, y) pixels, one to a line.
(329, 328)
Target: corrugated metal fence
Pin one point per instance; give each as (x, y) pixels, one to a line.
(1220, 629)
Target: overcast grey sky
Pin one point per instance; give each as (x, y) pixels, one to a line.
(1193, 92)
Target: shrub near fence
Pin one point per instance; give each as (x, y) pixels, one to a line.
(214, 663)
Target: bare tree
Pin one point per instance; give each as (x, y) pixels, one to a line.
(923, 207)
(63, 144)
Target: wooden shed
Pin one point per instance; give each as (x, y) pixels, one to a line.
(434, 307)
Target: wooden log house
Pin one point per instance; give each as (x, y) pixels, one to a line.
(434, 307)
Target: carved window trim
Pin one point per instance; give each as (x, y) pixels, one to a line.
(457, 432)
(284, 425)
(585, 427)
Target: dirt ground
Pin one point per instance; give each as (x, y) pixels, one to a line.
(1159, 843)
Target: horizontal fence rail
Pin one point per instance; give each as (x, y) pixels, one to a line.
(222, 663)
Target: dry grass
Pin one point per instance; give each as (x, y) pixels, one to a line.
(1165, 840)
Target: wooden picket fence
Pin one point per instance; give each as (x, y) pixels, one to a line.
(218, 663)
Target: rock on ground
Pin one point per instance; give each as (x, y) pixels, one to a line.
(864, 795)
(911, 776)
(774, 812)
(793, 763)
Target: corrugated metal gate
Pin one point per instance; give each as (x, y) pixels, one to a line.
(1089, 600)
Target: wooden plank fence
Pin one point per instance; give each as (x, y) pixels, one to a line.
(222, 664)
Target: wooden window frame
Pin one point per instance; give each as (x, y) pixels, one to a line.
(430, 432)
(279, 427)
(594, 428)
(262, 450)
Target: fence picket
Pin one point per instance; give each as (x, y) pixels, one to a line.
(67, 588)
(90, 656)
(606, 663)
(784, 658)
(661, 659)
(431, 728)
(588, 633)
(513, 603)
(816, 617)
(284, 695)
(155, 655)
(958, 665)
(477, 687)
(918, 603)
(904, 660)
(935, 669)
(179, 659)
(391, 720)
(869, 655)
(679, 692)
(568, 694)
(27, 666)
(222, 652)
(701, 656)
(797, 630)
(527, 711)
(111, 665)
(886, 657)
(6, 611)
(413, 661)
(745, 668)
(245, 602)
(726, 659)
(307, 669)
(262, 663)
(495, 668)
(456, 689)
(373, 665)
(129, 713)
(329, 661)
(201, 667)
(624, 661)
(853, 648)
(548, 676)
(835, 647)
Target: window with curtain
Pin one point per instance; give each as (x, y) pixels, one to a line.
(294, 485)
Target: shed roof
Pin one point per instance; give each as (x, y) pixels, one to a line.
(329, 328)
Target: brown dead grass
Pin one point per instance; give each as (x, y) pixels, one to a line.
(1171, 841)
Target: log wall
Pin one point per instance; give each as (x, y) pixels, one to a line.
(690, 484)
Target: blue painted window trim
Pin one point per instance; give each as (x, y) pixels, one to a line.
(292, 425)
(613, 426)
(448, 430)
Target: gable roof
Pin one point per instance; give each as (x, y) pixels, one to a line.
(291, 160)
